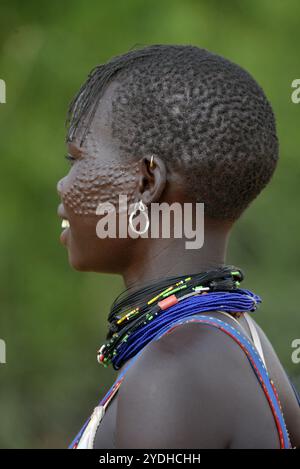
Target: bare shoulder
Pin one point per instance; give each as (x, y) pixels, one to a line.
(184, 390)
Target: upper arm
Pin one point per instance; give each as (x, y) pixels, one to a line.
(168, 397)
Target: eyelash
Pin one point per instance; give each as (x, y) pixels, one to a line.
(70, 158)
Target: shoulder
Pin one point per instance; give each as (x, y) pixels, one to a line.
(175, 391)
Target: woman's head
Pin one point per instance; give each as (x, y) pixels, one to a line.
(204, 120)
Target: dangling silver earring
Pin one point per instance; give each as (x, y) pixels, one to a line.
(139, 207)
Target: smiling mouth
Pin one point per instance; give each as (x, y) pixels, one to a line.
(65, 223)
(64, 220)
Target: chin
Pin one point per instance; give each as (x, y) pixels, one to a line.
(83, 263)
(79, 263)
(102, 257)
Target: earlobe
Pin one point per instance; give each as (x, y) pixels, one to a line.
(153, 178)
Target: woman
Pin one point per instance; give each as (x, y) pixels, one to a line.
(175, 124)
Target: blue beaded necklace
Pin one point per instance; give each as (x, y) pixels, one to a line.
(140, 316)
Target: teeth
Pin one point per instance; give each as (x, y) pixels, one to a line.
(65, 223)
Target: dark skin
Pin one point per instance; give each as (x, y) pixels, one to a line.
(194, 388)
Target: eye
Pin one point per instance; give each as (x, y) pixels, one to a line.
(70, 158)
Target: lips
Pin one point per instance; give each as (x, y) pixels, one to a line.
(61, 213)
(65, 224)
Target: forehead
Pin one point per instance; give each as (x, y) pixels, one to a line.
(97, 118)
(97, 131)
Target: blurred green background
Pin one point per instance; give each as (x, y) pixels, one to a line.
(52, 318)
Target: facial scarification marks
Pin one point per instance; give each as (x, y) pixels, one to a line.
(95, 181)
(99, 174)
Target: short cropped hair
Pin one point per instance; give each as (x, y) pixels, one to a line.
(205, 116)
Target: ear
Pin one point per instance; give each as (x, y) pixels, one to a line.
(152, 179)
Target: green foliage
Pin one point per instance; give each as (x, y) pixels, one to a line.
(53, 318)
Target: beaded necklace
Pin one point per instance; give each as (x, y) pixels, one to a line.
(136, 319)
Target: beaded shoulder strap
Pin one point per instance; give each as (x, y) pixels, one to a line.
(249, 350)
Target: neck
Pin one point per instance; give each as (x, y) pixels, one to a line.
(154, 259)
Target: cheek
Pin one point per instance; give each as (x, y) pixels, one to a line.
(91, 182)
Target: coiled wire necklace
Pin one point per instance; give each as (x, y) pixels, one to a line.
(136, 317)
